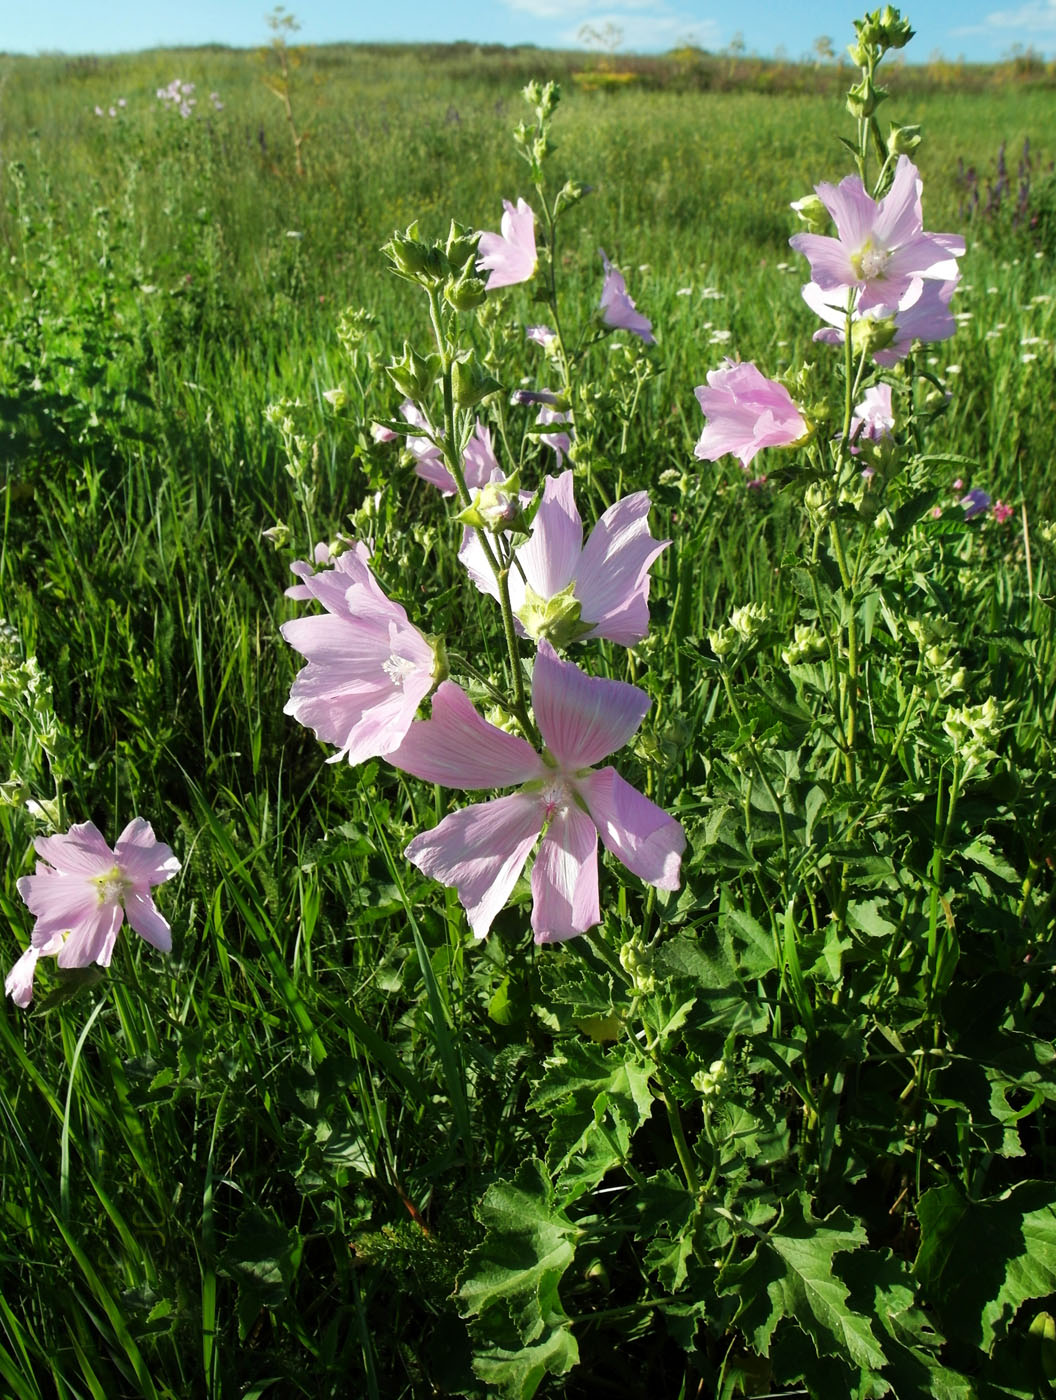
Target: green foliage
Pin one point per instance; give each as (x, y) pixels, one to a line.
(787, 1128)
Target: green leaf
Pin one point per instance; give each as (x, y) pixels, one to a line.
(597, 1100)
(526, 1250)
(790, 1274)
(263, 1256)
(981, 852)
(518, 1374)
(865, 916)
(979, 1261)
(756, 948)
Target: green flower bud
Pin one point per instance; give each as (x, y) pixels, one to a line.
(872, 333)
(749, 622)
(863, 98)
(903, 140)
(467, 292)
(469, 383)
(413, 374)
(724, 640)
(556, 618)
(415, 260)
(636, 961)
(571, 192)
(895, 32)
(496, 507)
(812, 213)
(461, 246)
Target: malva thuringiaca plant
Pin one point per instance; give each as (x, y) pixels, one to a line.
(720, 1049)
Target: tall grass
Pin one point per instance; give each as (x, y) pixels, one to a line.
(188, 1149)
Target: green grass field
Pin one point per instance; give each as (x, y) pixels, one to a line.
(266, 1165)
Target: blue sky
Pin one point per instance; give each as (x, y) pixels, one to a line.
(981, 30)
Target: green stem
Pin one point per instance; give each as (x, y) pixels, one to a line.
(449, 447)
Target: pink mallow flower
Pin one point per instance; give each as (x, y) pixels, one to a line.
(746, 412)
(509, 256)
(479, 464)
(617, 308)
(481, 850)
(368, 668)
(81, 894)
(568, 592)
(881, 247)
(541, 335)
(921, 313)
(560, 442)
(873, 418)
(1001, 512)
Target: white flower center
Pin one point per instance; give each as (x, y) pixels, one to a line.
(557, 797)
(398, 668)
(112, 886)
(871, 263)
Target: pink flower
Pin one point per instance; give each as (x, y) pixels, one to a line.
(873, 417)
(510, 255)
(481, 850)
(746, 413)
(567, 591)
(479, 464)
(923, 313)
(560, 442)
(81, 893)
(368, 667)
(881, 247)
(541, 335)
(1001, 512)
(617, 308)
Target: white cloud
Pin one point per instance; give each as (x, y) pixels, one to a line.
(1035, 17)
(649, 33)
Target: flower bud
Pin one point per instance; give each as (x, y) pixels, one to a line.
(895, 32)
(470, 383)
(872, 333)
(556, 618)
(812, 212)
(496, 507)
(461, 246)
(863, 98)
(903, 140)
(571, 192)
(467, 292)
(413, 374)
(413, 259)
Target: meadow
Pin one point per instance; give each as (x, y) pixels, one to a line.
(787, 1131)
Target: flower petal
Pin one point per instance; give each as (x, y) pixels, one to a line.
(565, 878)
(480, 851)
(18, 984)
(582, 718)
(59, 902)
(144, 917)
(550, 557)
(92, 940)
(457, 748)
(142, 858)
(612, 579)
(637, 832)
(79, 851)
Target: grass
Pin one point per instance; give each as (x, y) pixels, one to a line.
(190, 1147)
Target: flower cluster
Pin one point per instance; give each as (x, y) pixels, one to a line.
(369, 668)
(881, 280)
